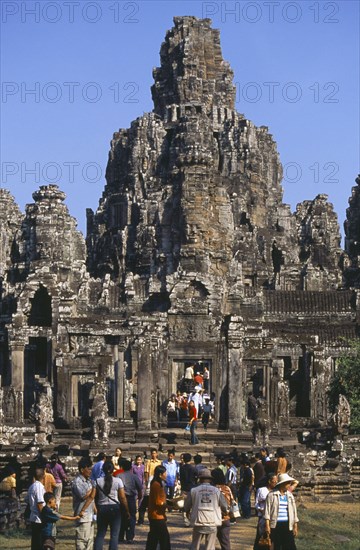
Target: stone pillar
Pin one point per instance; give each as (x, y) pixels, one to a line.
(17, 374)
(119, 377)
(144, 385)
(134, 370)
(17, 366)
(236, 384)
(267, 387)
(74, 396)
(273, 396)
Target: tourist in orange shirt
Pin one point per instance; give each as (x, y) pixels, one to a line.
(49, 482)
(157, 505)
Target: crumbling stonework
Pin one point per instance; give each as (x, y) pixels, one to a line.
(191, 256)
(352, 238)
(42, 414)
(10, 217)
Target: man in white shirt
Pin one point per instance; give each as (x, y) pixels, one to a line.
(197, 398)
(189, 373)
(189, 378)
(35, 498)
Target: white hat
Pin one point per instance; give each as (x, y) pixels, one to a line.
(284, 478)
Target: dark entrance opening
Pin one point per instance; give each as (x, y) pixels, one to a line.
(41, 311)
(301, 385)
(86, 399)
(82, 397)
(36, 364)
(258, 382)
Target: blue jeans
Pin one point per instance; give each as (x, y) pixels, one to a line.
(108, 516)
(194, 439)
(128, 525)
(244, 500)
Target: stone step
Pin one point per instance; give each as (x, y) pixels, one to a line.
(332, 488)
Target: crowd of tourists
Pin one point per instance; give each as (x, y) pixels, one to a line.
(116, 493)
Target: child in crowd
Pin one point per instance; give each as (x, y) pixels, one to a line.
(49, 517)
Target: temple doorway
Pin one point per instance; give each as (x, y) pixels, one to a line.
(179, 366)
(82, 396)
(258, 382)
(301, 385)
(37, 359)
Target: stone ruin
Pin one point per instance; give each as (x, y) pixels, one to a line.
(191, 257)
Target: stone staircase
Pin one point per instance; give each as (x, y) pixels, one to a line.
(355, 479)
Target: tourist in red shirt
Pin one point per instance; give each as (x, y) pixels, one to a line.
(198, 379)
(193, 423)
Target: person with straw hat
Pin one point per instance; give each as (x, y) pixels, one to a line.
(281, 519)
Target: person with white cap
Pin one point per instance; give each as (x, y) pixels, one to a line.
(204, 506)
(197, 398)
(198, 379)
(280, 515)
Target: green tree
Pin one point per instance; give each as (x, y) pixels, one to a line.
(346, 381)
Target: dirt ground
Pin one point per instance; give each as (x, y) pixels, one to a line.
(322, 526)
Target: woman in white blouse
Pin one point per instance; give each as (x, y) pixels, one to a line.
(281, 519)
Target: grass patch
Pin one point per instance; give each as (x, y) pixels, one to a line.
(328, 525)
(19, 533)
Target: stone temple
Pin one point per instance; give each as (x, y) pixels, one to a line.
(191, 256)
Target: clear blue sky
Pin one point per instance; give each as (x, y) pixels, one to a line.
(296, 68)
